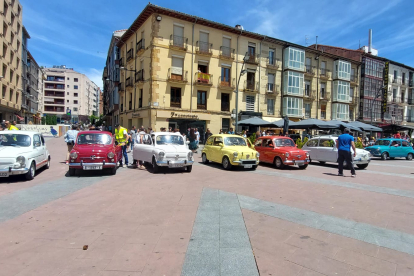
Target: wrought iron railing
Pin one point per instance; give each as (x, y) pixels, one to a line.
(203, 78)
(272, 62)
(176, 76)
(325, 73)
(178, 41)
(310, 69)
(226, 52)
(204, 47)
(139, 76)
(251, 85)
(130, 54)
(253, 58)
(175, 102)
(121, 62)
(226, 83)
(272, 88)
(128, 82)
(225, 106)
(140, 45)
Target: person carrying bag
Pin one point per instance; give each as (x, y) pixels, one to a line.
(70, 138)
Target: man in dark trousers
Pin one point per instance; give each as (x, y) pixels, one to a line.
(344, 144)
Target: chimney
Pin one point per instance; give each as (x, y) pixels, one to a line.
(316, 45)
(370, 42)
(238, 27)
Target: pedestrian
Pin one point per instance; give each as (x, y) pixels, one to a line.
(163, 129)
(70, 138)
(231, 131)
(197, 137)
(140, 139)
(150, 131)
(10, 126)
(121, 136)
(177, 131)
(397, 136)
(344, 144)
(170, 129)
(207, 135)
(133, 134)
(193, 141)
(221, 131)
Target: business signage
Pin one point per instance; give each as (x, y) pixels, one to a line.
(385, 90)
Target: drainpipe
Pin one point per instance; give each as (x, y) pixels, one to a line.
(135, 71)
(192, 66)
(281, 83)
(260, 56)
(237, 83)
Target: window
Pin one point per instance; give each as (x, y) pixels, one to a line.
(67, 86)
(251, 49)
(270, 106)
(307, 110)
(312, 143)
(4, 70)
(226, 48)
(175, 97)
(17, 80)
(203, 44)
(251, 82)
(323, 90)
(372, 67)
(11, 38)
(351, 92)
(4, 51)
(75, 79)
(5, 8)
(403, 78)
(250, 100)
(75, 87)
(67, 93)
(395, 75)
(343, 70)
(225, 124)
(67, 101)
(225, 76)
(307, 88)
(178, 36)
(202, 100)
(225, 102)
(340, 112)
(11, 95)
(3, 92)
(293, 83)
(67, 78)
(326, 143)
(177, 68)
(75, 101)
(323, 68)
(341, 91)
(258, 143)
(295, 58)
(271, 82)
(141, 92)
(292, 106)
(11, 75)
(308, 65)
(272, 60)
(4, 29)
(75, 109)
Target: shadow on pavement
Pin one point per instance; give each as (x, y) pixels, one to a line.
(19, 178)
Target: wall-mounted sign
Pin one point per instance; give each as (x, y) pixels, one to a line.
(385, 92)
(183, 115)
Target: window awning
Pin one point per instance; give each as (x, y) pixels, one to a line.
(19, 117)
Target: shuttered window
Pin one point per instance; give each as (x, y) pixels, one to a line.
(250, 100)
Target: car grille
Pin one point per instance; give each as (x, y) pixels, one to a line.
(249, 162)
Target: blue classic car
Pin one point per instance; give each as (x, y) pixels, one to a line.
(391, 148)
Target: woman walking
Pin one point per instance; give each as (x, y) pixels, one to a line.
(193, 141)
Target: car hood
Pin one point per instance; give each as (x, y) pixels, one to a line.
(95, 148)
(14, 151)
(172, 148)
(243, 150)
(293, 150)
(361, 151)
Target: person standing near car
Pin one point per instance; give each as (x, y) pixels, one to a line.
(10, 126)
(344, 144)
(121, 136)
(70, 137)
(141, 139)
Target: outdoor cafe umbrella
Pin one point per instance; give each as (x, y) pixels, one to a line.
(280, 123)
(365, 127)
(254, 121)
(343, 125)
(313, 124)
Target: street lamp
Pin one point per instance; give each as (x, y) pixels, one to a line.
(377, 95)
(242, 72)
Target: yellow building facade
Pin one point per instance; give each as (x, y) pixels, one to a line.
(181, 71)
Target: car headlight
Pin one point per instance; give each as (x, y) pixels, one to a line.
(111, 155)
(21, 160)
(161, 155)
(370, 155)
(190, 155)
(307, 154)
(73, 155)
(235, 154)
(287, 154)
(257, 154)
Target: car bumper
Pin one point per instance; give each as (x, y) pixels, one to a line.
(361, 161)
(296, 162)
(245, 162)
(11, 171)
(175, 164)
(80, 165)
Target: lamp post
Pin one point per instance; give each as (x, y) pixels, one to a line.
(377, 95)
(242, 72)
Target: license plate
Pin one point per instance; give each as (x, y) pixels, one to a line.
(87, 168)
(248, 166)
(4, 174)
(175, 165)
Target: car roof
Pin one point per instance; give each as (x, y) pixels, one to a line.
(164, 133)
(227, 135)
(94, 131)
(275, 137)
(19, 132)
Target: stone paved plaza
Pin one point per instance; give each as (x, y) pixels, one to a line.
(210, 221)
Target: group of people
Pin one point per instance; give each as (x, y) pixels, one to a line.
(7, 125)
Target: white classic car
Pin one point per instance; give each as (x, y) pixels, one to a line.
(323, 149)
(22, 152)
(163, 149)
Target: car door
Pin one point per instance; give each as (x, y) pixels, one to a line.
(37, 149)
(139, 147)
(312, 148)
(44, 149)
(216, 149)
(268, 150)
(396, 148)
(327, 150)
(406, 148)
(258, 147)
(148, 149)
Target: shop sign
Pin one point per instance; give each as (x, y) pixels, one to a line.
(136, 115)
(184, 116)
(385, 92)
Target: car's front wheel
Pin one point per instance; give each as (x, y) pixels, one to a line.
(303, 167)
(384, 156)
(362, 166)
(189, 168)
(410, 156)
(32, 171)
(113, 170)
(204, 158)
(278, 163)
(155, 167)
(72, 171)
(226, 163)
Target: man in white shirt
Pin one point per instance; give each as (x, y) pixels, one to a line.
(141, 138)
(198, 137)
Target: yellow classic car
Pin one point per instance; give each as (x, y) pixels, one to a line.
(230, 150)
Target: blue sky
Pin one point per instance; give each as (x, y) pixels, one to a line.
(76, 33)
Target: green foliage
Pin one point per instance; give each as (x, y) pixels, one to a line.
(252, 138)
(49, 120)
(300, 143)
(359, 145)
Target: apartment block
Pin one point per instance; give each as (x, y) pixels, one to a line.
(11, 74)
(181, 71)
(66, 89)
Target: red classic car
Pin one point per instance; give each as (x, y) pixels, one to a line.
(281, 151)
(94, 150)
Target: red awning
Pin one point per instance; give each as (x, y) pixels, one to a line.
(18, 117)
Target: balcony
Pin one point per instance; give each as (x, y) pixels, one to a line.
(105, 73)
(410, 101)
(226, 85)
(325, 96)
(203, 79)
(176, 77)
(54, 86)
(178, 43)
(24, 106)
(272, 63)
(204, 48)
(140, 46)
(396, 100)
(272, 89)
(354, 79)
(396, 81)
(129, 55)
(411, 83)
(130, 105)
(309, 95)
(325, 74)
(54, 109)
(251, 86)
(139, 76)
(128, 82)
(226, 53)
(121, 87)
(309, 70)
(121, 62)
(253, 58)
(225, 106)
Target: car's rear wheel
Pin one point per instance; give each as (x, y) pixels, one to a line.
(362, 166)
(155, 167)
(32, 171)
(322, 162)
(72, 171)
(384, 156)
(226, 163)
(189, 168)
(410, 156)
(303, 167)
(204, 158)
(278, 163)
(48, 163)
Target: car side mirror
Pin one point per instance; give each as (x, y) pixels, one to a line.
(37, 144)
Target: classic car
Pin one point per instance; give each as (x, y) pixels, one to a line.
(22, 152)
(94, 150)
(281, 151)
(391, 148)
(323, 149)
(230, 150)
(163, 149)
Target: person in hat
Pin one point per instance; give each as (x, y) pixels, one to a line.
(344, 144)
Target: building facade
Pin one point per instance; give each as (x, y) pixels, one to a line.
(67, 90)
(11, 75)
(110, 79)
(177, 73)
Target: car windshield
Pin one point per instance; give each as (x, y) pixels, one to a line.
(170, 140)
(234, 141)
(94, 138)
(284, 143)
(15, 140)
(382, 143)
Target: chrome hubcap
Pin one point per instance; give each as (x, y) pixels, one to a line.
(204, 158)
(225, 163)
(278, 162)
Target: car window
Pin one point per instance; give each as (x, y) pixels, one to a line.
(43, 139)
(217, 140)
(312, 143)
(396, 143)
(405, 144)
(94, 138)
(15, 140)
(268, 143)
(209, 141)
(326, 143)
(284, 143)
(258, 143)
(36, 139)
(382, 143)
(169, 140)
